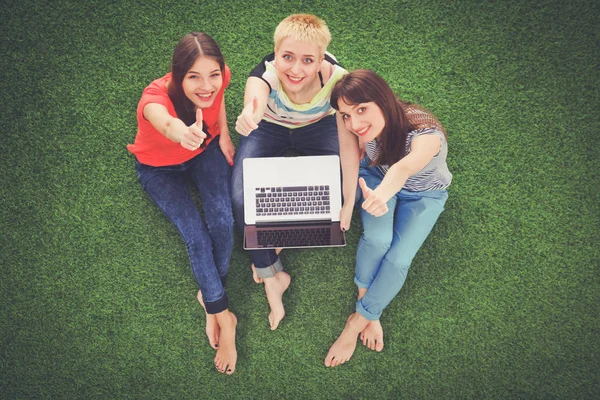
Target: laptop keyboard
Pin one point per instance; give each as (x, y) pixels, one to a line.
(306, 237)
(292, 200)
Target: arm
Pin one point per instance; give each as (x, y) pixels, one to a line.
(224, 139)
(190, 137)
(350, 159)
(255, 103)
(423, 149)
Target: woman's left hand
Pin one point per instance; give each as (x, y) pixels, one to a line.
(374, 203)
(227, 148)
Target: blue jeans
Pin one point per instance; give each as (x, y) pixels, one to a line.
(209, 244)
(390, 242)
(271, 140)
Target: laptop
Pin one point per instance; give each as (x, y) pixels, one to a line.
(292, 202)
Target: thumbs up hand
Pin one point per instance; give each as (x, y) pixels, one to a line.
(374, 204)
(247, 120)
(194, 136)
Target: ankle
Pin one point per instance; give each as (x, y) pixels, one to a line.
(357, 322)
(226, 319)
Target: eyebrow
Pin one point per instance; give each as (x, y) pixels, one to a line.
(198, 73)
(302, 55)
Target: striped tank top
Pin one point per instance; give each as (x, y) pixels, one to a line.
(434, 176)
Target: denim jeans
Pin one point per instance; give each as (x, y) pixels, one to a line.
(390, 242)
(271, 140)
(209, 244)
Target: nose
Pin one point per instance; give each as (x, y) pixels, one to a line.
(205, 85)
(296, 67)
(353, 124)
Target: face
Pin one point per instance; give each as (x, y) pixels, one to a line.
(202, 82)
(365, 120)
(297, 64)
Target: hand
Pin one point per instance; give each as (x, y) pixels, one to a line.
(246, 123)
(227, 147)
(374, 204)
(346, 216)
(194, 136)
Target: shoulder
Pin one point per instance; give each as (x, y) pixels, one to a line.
(156, 92)
(265, 71)
(331, 68)
(226, 76)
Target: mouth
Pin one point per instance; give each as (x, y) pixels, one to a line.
(205, 97)
(363, 131)
(294, 79)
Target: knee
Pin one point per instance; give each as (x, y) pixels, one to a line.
(221, 222)
(378, 244)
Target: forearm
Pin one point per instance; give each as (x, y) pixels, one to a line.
(174, 129)
(350, 160)
(222, 120)
(394, 181)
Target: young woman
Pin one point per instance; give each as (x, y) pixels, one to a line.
(286, 107)
(183, 136)
(403, 178)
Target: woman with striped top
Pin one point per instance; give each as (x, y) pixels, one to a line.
(403, 179)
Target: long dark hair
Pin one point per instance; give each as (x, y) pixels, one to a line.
(400, 117)
(188, 50)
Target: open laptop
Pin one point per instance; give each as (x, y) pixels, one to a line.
(292, 202)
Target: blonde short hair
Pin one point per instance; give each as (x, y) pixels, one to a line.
(305, 28)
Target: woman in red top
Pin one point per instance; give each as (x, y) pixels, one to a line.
(183, 136)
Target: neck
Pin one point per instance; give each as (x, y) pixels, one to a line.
(306, 95)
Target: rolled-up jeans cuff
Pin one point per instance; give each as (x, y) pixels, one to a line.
(215, 307)
(360, 285)
(363, 311)
(270, 270)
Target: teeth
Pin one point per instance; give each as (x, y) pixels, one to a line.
(205, 96)
(363, 130)
(295, 79)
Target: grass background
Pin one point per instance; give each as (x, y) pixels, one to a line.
(97, 299)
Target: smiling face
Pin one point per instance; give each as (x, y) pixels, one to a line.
(365, 120)
(297, 64)
(202, 82)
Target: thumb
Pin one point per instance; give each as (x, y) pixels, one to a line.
(365, 189)
(254, 104)
(199, 118)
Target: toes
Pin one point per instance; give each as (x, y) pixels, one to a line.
(379, 345)
(372, 344)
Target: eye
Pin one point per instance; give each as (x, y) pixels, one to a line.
(287, 57)
(361, 110)
(215, 75)
(308, 60)
(345, 117)
(192, 76)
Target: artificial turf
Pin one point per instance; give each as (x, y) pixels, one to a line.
(502, 301)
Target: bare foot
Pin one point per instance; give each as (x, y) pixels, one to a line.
(274, 288)
(255, 275)
(226, 354)
(372, 336)
(343, 348)
(212, 327)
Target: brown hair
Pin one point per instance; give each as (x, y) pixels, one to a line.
(400, 117)
(191, 47)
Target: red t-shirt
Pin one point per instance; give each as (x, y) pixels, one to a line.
(153, 148)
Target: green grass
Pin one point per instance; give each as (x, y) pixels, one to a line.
(502, 301)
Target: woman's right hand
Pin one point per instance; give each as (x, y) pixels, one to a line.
(246, 121)
(193, 136)
(346, 216)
